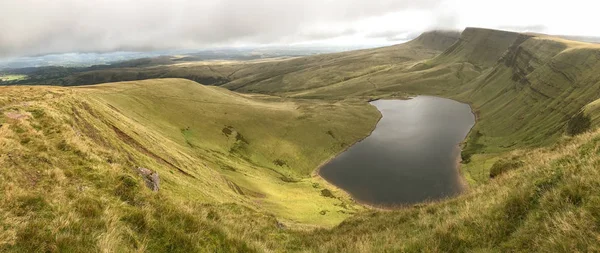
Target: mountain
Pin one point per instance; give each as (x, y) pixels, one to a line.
(234, 165)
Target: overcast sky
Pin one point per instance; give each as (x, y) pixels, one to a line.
(31, 27)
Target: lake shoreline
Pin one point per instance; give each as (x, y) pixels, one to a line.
(462, 183)
(317, 172)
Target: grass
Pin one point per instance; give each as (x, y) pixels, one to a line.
(543, 205)
(265, 148)
(72, 185)
(11, 77)
(65, 191)
(208, 144)
(592, 110)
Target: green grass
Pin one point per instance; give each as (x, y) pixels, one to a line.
(69, 158)
(267, 147)
(11, 77)
(592, 110)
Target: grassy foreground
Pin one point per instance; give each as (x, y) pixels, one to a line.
(69, 178)
(68, 185)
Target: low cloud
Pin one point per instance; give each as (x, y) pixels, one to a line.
(33, 27)
(41, 26)
(526, 28)
(321, 35)
(394, 36)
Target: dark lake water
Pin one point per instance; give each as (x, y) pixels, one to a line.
(410, 157)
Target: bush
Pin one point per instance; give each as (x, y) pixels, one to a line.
(504, 165)
(578, 124)
(127, 189)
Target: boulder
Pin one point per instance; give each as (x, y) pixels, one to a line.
(150, 178)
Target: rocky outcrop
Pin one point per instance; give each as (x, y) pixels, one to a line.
(480, 47)
(150, 178)
(526, 55)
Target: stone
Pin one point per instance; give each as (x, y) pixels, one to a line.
(150, 178)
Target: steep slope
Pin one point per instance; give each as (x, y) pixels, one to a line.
(548, 204)
(480, 47)
(74, 155)
(592, 112)
(530, 95)
(265, 147)
(525, 89)
(69, 184)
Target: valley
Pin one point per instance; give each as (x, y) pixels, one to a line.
(236, 145)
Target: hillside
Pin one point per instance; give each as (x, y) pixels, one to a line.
(525, 88)
(80, 148)
(69, 159)
(253, 74)
(236, 169)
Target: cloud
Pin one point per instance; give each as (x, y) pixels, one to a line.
(539, 28)
(320, 35)
(32, 27)
(41, 26)
(394, 36)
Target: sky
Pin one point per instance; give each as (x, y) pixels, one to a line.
(37, 27)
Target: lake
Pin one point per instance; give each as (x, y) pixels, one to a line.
(412, 155)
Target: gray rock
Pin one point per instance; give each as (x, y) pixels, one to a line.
(150, 178)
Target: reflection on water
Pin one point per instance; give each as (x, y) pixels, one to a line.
(410, 157)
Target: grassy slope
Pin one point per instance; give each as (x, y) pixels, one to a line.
(267, 146)
(67, 185)
(593, 110)
(524, 88)
(266, 76)
(336, 69)
(549, 204)
(69, 156)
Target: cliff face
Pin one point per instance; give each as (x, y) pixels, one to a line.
(480, 47)
(534, 87)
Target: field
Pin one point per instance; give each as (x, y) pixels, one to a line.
(11, 78)
(236, 162)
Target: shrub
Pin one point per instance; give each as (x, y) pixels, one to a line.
(127, 189)
(504, 165)
(578, 124)
(327, 193)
